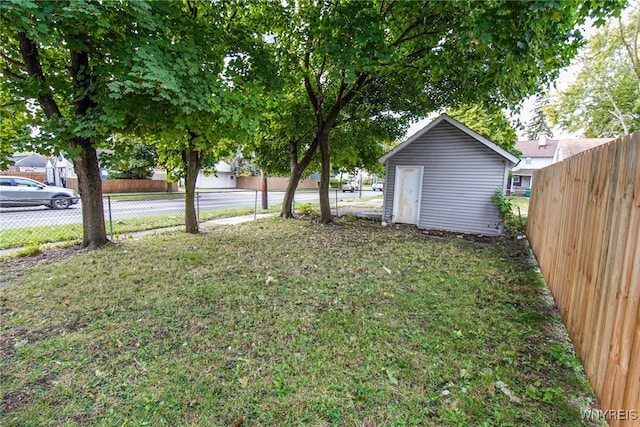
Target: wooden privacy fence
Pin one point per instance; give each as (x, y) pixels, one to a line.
(274, 183)
(584, 228)
(111, 186)
(37, 176)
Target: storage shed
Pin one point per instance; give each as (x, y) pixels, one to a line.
(443, 178)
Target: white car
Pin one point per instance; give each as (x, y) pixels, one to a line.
(350, 186)
(377, 186)
(16, 191)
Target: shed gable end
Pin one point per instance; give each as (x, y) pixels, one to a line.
(460, 177)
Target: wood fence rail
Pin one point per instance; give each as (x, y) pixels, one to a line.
(584, 228)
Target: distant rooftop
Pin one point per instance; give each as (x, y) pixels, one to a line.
(534, 149)
(571, 147)
(558, 148)
(30, 161)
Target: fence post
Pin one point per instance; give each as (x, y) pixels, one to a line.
(337, 203)
(198, 206)
(255, 206)
(110, 217)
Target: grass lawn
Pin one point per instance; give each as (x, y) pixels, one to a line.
(285, 323)
(520, 202)
(32, 237)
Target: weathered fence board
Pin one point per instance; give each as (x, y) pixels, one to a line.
(584, 228)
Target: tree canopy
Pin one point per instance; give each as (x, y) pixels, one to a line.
(604, 100)
(134, 160)
(492, 124)
(59, 61)
(360, 60)
(538, 124)
(344, 77)
(203, 90)
(175, 74)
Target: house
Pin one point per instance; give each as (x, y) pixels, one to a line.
(443, 177)
(537, 154)
(224, 177)
(54, 170)
(28, 163)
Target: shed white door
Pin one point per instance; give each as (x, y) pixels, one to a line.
(407, 194)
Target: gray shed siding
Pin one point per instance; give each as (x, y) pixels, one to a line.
(460, 176)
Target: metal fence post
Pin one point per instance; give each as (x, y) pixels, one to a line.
(110, 217)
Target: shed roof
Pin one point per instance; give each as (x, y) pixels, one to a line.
(499, 150)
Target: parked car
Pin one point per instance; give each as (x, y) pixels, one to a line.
(16, 191)
(350, 186)
(377, 186)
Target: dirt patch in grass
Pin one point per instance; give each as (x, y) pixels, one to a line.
(12, 268)
(287, 323)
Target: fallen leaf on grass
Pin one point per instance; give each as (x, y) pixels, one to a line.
(392, 379)
(503, 388)
(239, 422)
(244, 381)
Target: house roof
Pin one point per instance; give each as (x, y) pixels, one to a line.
(534, 149)
(559, 149)
(30, 161)
(571, 147)
(499, 150)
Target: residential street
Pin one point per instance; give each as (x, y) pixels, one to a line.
(11, 218)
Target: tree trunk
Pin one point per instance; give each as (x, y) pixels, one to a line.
(94, 233)
(297, 169)
(192, 162)
(325, 174)
(289, 194)
(263, 190)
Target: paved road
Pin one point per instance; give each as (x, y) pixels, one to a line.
(122, 209)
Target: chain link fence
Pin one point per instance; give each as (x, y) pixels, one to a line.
(29, 227)
(37, 224)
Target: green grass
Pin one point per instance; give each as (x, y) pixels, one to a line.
(520, 202)
(144, 196)
(286, 323)
(34, 236)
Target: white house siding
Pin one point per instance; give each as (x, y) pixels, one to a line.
(533, 163)
(460, 176)
(223, 180)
